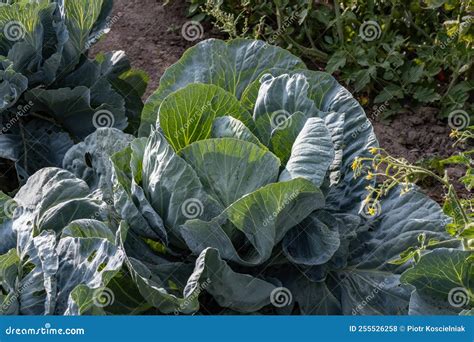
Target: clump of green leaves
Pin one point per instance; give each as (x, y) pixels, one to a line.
(234, 25)
(387, 52)
(52, 94)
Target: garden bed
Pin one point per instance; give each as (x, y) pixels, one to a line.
(150, 34)
(251, 181)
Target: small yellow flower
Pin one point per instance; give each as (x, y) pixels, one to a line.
(373, 150)
(372, 211)
(355, 164)
(369, 176)
(454, 133)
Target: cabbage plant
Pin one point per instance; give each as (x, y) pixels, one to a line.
(51, 94)
(238, 196)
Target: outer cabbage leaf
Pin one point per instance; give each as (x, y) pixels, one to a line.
(232, 66)
(257, 221)
(241, 292)
(146, 223)
(112, 82)
(398, 226)
(312, 298)
(44, 288)
(90, 159)
(51, 199)
(84, 261)
(35, 145)
(211, 274)
(426, 305)
(314, 241)
(88, 228)
(348, 226)
(75, 110)
(37, 290)
(369, 273)
(444, 282)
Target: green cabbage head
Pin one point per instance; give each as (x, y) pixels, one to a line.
(238, 197)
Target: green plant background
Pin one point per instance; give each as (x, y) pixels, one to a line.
(422, 54)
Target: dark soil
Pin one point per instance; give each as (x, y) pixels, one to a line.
(419, 136)
(150, 34)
